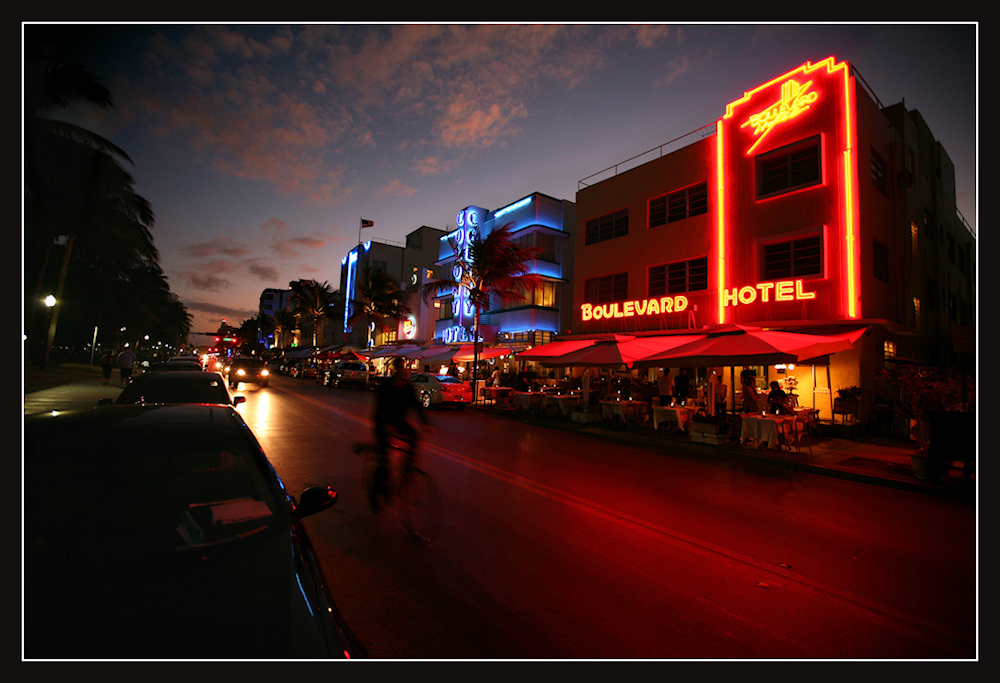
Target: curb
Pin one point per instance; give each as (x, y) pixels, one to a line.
(962, 491)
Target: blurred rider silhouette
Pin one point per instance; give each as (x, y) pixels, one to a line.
(395, 401)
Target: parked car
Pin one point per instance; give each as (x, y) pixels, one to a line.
(248, 371)
(163, 532)
(184, 386)
(441, 389)
(348, 373)
(175, 364)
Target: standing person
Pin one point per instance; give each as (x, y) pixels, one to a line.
(682, 386)
(665, 386)
(495, 377)
(126, 362)
(718, 391)
(749, 382)
(107, 365)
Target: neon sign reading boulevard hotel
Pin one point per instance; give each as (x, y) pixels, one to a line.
(820, 96)
(785, 290)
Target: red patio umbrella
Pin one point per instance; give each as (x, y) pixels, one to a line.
(721, 345)
(619, 350)
(465, 353)
(554, 349)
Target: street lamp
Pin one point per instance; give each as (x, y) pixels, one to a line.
(50, 302)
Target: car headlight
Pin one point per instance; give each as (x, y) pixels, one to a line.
(241, 372)
(264, 373)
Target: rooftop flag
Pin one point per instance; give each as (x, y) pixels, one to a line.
(366, 223)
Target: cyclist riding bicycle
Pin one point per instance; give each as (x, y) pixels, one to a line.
(395, 400)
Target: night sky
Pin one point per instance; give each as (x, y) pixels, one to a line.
(260, 147)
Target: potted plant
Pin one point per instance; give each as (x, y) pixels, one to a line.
(918, 392)
(707, 428)
(848, 400)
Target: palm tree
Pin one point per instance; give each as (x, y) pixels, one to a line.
(314, 302)
(285, 322)
(78, 195)
(380, 300)
(496, 266)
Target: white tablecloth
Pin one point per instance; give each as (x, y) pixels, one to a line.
(565, 403)
(527, 399)
(765, 429)
(678, 415)
(624, 410)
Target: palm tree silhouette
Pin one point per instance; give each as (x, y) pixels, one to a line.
(77, 192)
(379, 300)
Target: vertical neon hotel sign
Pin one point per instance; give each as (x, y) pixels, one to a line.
(796, 98)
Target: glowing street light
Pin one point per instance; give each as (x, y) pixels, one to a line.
(50, 302)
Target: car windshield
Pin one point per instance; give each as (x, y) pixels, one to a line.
(208, 389)
(160, 488)
(248, 363)
(447, 379)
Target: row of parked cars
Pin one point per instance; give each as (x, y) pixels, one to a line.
(157, 528)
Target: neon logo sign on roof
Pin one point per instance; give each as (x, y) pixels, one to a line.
(795, 100)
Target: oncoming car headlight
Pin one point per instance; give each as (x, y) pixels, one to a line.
(241, 372)
(264, 373)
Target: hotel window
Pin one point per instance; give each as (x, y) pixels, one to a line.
(545, 243)
(678, 205)
(444, 308)
(889, 349)
(675, 278)
(607, 227)
(879, 173)
(606, 289)
(880, 261)
(544, 295)
(789, 168)
(794, 258)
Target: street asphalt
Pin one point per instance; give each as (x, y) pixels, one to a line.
(873, 460)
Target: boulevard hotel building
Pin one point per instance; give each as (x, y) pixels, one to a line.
(808, 207)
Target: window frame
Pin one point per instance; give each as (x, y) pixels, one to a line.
(686, 202)
(606, 227)
(675, 283)
(767, 270)
(791, 157)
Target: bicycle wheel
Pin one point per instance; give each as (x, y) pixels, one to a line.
(369, 468)
(419, 504)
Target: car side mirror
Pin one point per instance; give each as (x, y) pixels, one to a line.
(315, 499)
(239, 399)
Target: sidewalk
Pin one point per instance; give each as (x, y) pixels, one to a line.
(873, 460)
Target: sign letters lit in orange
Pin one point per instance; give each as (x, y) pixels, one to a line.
(627, 309)
(782, 290)
(796, 98)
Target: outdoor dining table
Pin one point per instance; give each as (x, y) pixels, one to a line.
(626, 411)
(564, 403)
(766, 429)
(671, 415)
(527, 399)
(494, 393)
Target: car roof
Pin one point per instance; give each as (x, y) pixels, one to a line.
(180, 386)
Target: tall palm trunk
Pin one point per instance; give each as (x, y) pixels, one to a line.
(51, 333)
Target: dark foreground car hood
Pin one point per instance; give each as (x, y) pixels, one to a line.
(217, 603)
(123, 560)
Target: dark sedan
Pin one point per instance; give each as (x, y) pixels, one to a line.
(248, 371)
(163, 532)
(181, 386)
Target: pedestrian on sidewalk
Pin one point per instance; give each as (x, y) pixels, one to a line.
(126, 362)
(108, 365)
